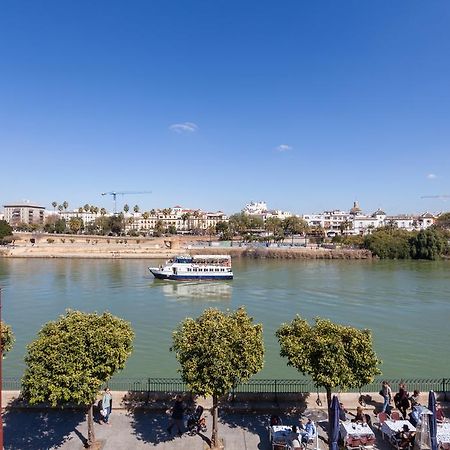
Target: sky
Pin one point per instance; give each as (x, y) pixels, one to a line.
(210, 104)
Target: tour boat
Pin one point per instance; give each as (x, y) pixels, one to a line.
(196, 267)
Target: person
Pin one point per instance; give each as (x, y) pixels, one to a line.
(440, 416)
(414, 417)
(401, 399)
(293, 439)
(342, 413)
(106, 405)
(310, 431)
(414, 398)
(405, 437)
(275, 420)
(360, 416)
(176, 418)
(386, 393)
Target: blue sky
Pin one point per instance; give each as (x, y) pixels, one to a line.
(308, 105)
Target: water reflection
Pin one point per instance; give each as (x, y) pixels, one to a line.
(202, 290)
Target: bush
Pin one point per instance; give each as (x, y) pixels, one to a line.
(50, 240)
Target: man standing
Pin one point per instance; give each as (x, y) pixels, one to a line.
(177, 416)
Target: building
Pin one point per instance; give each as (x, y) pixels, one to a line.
(24, 213)
(259, 209)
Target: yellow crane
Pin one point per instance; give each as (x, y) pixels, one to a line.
(116, 193)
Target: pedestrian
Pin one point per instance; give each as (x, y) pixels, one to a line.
(386, 393)
(106, 405)
(401, 399)
(176, 418)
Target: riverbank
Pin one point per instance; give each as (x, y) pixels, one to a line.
(69, 246)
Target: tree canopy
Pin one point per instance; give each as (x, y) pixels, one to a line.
(5, 231)
(427, 244)
(217, 351)
(7, 337)
(333, 355)
(73, 356)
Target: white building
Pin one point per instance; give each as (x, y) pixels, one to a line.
(259, 209)
(25, 212)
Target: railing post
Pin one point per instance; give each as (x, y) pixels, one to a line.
(276, 392)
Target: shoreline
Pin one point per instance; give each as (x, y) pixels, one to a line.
(29, 245)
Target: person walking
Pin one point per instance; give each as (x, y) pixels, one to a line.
(386, 393)
(106, 405)
(176, 418)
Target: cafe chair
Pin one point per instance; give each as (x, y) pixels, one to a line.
(395, 415)
(381, 416)
(352, 443)
(278, 446)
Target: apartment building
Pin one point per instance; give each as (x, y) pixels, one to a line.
(28, 213)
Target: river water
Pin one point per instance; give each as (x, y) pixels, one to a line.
(406, 304)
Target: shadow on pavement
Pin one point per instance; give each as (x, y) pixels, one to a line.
(251, 422)
(40, 430)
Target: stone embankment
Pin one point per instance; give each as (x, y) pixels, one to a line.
(69, 246)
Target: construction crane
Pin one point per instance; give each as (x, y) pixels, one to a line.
(116, 193)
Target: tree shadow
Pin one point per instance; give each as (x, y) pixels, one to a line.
(40, 429)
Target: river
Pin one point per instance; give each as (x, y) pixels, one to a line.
(406, 304)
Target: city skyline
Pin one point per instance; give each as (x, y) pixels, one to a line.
(308, 106)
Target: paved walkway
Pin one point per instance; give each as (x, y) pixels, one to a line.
(67, 430)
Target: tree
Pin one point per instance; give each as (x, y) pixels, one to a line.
(274, 226)
(86, 207)
(223, 230)
(443, 221)
(136, 208)
(60, 226)
(159, 228)
(294, 225)
(6, 231)
(65, 205)
(7, 337)
(333, 355)
(54, 204)
(75, 224)
(217, 351)
(389, 243)
(126, 208)
(73, 356)
(427, 244)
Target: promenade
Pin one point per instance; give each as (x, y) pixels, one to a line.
(141, 428)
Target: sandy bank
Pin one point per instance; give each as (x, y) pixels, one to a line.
(68, 246)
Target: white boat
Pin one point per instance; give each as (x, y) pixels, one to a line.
(196, 267)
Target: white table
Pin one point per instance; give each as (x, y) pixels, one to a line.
(279, 433)
(443, 433)
(390, 427)
(354, 429)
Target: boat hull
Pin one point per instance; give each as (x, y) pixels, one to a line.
(186, 277)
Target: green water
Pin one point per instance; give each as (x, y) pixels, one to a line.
(406, 304)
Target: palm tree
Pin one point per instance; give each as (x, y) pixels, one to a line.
(54, 204)
(65, 205)
(153, 212)
(136, 209)
(185, 217)
(86, 207)
(60, 208)
(126, 208)
(80, 209)
(103, 211)
(145, 215)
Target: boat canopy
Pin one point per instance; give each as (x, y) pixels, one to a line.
(183, 259)
(211, 257)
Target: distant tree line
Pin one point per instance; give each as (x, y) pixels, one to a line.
(392, 243)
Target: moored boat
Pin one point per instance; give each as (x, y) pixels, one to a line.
(196, 267)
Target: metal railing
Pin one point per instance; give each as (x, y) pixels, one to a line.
(260, 386)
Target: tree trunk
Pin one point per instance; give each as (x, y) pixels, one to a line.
(91, 434)
(215, 434)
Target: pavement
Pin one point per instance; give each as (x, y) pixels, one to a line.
(67, 430)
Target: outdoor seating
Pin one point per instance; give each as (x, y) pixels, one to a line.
(352, 443)
(381, 416)
(395, 415)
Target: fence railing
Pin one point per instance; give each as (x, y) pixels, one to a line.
(259, 386)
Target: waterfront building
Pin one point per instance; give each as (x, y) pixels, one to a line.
(24, 213)
(259, 209)
(180, 219)
(86, 217)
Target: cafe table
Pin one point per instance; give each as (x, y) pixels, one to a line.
(354, 429)
(279, 433)
(443, 433)
(390, 427)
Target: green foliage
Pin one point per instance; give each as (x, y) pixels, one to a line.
(7, 337)
(427, 244)
(389, 243)
(60, 226)
(5, 230)
(218, 350)
(73, 356)
(443, 221)
(333, 355)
